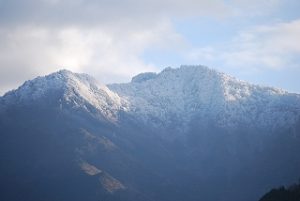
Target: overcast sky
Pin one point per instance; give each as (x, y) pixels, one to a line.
(112, 40)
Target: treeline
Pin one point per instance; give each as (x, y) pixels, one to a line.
(291, 193)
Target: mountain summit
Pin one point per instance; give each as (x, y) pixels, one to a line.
(76, 90)
(189, 133)
(191, 91)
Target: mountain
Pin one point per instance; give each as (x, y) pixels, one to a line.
(199, 91)
(190, 133)
(292, 193)
(76, 90)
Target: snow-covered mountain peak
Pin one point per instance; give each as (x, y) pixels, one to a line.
(173, 95)
(78, 90)
(189, 91)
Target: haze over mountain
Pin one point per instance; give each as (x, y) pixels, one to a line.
(190, 133)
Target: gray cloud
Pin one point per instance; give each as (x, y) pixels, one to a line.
(95, 12)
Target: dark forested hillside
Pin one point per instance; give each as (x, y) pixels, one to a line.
(291, 193)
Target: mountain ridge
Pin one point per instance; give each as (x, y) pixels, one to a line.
(197, 90)
(174, 94)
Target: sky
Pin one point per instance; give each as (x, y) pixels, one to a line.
(113, 40)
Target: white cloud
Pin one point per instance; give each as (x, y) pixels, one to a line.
(111, 55)
(103, 38)
(273, 47)
(201, 54)
(254, 7)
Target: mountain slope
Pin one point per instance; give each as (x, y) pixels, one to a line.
(292, 193)
(199, 91)
(184, 134)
